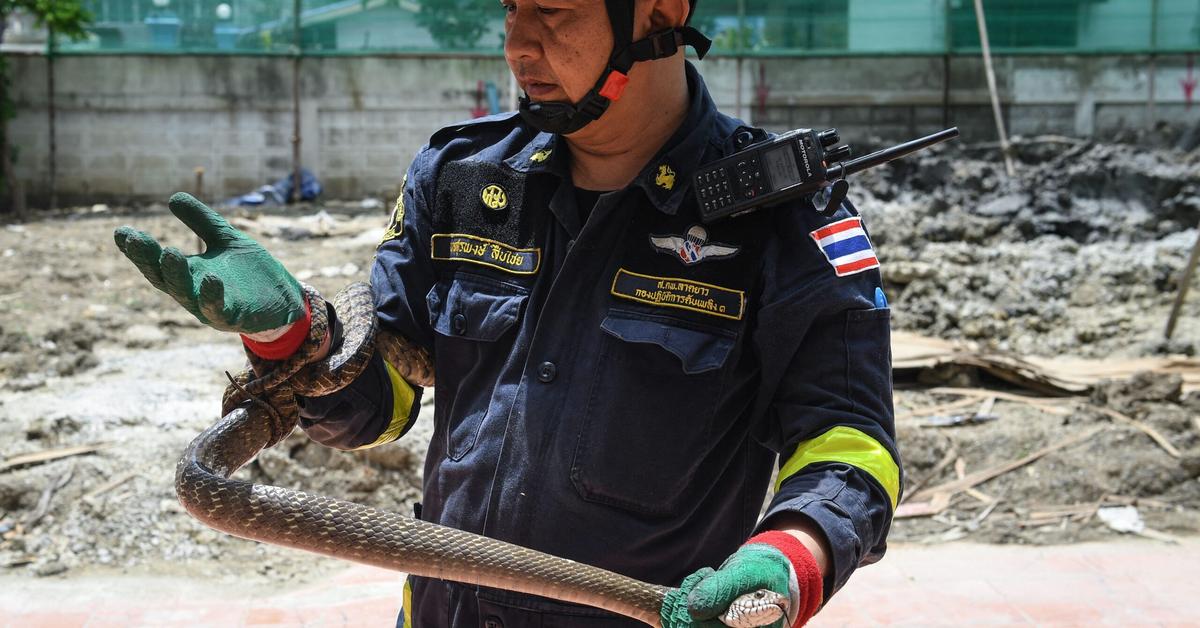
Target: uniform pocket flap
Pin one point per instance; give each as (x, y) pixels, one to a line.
(474, 308)
(698, 350)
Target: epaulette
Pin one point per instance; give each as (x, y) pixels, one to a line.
(497, 123)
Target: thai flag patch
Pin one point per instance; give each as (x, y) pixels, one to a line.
(846, 246)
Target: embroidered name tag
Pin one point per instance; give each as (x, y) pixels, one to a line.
(460, 247)
(680, 293)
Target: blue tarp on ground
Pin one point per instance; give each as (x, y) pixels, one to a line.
(277, 193)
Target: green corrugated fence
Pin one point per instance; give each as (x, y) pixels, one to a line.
(739, 27)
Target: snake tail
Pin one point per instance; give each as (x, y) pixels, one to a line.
(348, 531)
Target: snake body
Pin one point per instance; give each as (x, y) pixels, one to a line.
(260, 410)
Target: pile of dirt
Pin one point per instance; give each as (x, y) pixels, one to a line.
(91, 355)
(1055, 499)
(26, 362)
(1079, 253)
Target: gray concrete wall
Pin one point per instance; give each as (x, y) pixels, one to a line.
(136, 127)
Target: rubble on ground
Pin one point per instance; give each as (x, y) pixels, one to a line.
(1079, 255)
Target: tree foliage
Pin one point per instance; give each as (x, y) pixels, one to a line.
(62, 17)
(457, 24)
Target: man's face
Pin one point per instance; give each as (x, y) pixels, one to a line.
(556, 48)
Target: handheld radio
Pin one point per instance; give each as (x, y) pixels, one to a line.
(796, 163)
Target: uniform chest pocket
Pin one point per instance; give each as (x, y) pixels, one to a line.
(474, 317)
(648, 416)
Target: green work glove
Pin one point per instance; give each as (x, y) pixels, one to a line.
(704, 596)
(675, 614)
(235, 285)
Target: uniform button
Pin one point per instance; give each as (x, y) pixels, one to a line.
(458, 324)
(546, 372)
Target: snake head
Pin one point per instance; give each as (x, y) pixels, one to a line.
(758, 608)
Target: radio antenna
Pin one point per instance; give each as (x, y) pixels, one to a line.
(877, 158)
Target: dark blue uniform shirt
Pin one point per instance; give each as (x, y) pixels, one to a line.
(617, 392)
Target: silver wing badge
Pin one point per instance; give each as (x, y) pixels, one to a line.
(693, 247)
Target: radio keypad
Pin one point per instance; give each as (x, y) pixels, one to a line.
(750, 178)
(714, 190)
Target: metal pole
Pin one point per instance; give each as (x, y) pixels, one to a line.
(1185, 282)
(991, 79)
(737, 42)
(52, 113)
(1151, 114)
(948, 47)
(738, 93)
(296, 50)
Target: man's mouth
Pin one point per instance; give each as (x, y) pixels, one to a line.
(538, 89)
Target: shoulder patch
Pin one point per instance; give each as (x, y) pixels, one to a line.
(396, 228)
(846, 246)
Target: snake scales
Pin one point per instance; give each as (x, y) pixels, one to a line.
(261, 410)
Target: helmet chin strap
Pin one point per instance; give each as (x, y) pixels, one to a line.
(564, 118)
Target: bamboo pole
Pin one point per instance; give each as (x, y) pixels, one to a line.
(1185, 282)
(295, 196)
(53, 114)
(1151, 113)
(991, 79)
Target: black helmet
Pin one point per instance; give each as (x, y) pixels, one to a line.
(565, 117)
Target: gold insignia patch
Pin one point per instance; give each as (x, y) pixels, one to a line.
(665, 178)
(683, 294)
(396, 228)
(540, 156)
(462, 247)
(494, 197)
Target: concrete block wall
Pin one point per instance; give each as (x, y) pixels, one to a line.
(136, 127)
(901, 97)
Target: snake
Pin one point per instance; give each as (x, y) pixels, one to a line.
(259, 410)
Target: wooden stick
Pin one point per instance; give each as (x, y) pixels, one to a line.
(110, 485)
(951, 454)
(51, 454)
(980, 477)
(1151, 533)
(1185, 282)
(1045, 404)
(934, 506)
(43, 505)
(1005, 148)
(1138, 425)
(982, 393)
(938, 409)
(977, 521)
(960, 471)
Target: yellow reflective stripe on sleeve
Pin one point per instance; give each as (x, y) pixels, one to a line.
(402, 399)
(407, 603)
(852, 447)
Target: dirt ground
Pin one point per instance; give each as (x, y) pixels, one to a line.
(1080, 254)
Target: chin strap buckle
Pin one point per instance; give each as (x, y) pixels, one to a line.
(614, 85)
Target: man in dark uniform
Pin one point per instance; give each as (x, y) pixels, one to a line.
(615, 380)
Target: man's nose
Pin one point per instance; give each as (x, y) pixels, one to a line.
(522, 41)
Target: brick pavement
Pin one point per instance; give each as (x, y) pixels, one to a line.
(1128, 583)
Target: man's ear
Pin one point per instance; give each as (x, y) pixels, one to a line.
(657, 15)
